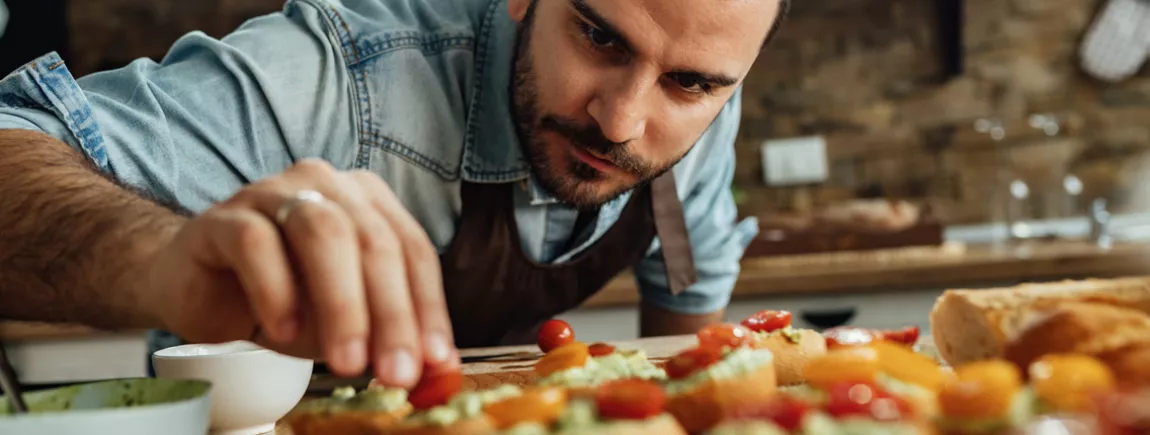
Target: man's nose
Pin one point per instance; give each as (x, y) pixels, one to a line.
(620, 109)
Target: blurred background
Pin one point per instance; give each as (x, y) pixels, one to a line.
(891, 149)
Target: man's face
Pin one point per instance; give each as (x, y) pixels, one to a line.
(609, 94)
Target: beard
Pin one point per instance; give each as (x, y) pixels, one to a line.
(569, 180)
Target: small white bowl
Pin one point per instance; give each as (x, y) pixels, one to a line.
(252, 387)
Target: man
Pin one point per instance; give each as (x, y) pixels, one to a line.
(375, 182)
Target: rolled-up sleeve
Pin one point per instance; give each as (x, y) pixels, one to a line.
(718, 239)
(213, 115)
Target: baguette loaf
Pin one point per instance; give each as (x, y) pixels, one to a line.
(1079, 327)
(970, 325)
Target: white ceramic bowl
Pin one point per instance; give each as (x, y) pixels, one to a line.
(252, 387)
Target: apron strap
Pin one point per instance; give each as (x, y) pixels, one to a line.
(671, 227)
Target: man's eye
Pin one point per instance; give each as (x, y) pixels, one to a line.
(692, 84)
(598, 37)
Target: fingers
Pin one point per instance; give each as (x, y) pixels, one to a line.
(394, 332)
(424, 277)
(250, 245)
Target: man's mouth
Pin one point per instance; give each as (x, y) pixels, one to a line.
(592, 159)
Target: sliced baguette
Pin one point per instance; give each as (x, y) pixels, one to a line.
(970, 325)
(662, 425)
(347, 422)
(1078, 327)
(790, 357)
(700, 408)
(479, 425)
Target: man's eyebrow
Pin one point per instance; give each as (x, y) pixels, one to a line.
(721, 80)
(582, 8)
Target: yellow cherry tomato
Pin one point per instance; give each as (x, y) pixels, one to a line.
(847, 364)
(980, 390)
(567, 356)
(1069, 382)
(906, 365)
(537, 404)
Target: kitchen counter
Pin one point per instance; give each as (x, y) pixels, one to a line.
(948, 266)
(951, 265)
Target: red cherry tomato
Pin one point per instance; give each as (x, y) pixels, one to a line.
(1124, 412)
(723, 335)
(601, 349)
(435, 388)
(768, 321)
(907, 336)
(555, 333)
(848, 336)
(630, 399)
(784, 411)
(690, 361)
(868, 400)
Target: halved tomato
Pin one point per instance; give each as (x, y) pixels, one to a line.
(691, 361)
(867, 400)
(1070, 382)
(630, 399)
(785, 411)
(435, 388)
(536, 404)
(562, 358)
(601, 349)
(768, 321)
(845, 365)
(723, 335)
(980, 390)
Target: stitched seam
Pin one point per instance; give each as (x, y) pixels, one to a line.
(409, 154)
(477, 94)
(426, 45)
(351, 53)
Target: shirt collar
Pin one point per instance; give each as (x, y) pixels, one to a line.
(491, 149)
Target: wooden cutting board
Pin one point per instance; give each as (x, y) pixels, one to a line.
(514, 364)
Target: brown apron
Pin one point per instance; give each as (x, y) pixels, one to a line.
(496, 295)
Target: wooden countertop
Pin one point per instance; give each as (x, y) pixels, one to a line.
(948, 266)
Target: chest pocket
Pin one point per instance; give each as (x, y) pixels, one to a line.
(413, 97)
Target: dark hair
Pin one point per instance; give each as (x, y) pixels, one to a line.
(784, 9)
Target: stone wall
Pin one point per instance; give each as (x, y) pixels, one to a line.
(869, 77)
(866, 74)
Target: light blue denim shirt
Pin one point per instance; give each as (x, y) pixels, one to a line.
(412, 90)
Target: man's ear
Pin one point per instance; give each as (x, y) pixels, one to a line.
(518, 9)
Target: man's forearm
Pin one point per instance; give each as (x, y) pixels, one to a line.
(655, 321)
(72, 242)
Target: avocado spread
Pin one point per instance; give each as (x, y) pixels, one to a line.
(818, 423)
(748, 428)
(466, 404)
(597, 370)
(345, 399)
(792, 335)
(735, 363)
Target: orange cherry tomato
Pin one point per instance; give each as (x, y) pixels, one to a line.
(1070, 382)
(435, 388)
(900, 362)
(630, 399)
(554, 333)
(768, 321)
(723, 335)
(980, 390)
(536, 404)
(844, 365)
(562, 358)
(691, 361)
(601, 349)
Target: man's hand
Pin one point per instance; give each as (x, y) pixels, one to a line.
(353, 279)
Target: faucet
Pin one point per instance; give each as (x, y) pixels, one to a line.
(1100, 224)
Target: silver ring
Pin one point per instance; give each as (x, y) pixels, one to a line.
(301, 197)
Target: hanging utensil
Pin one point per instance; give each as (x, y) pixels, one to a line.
(10, 384)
